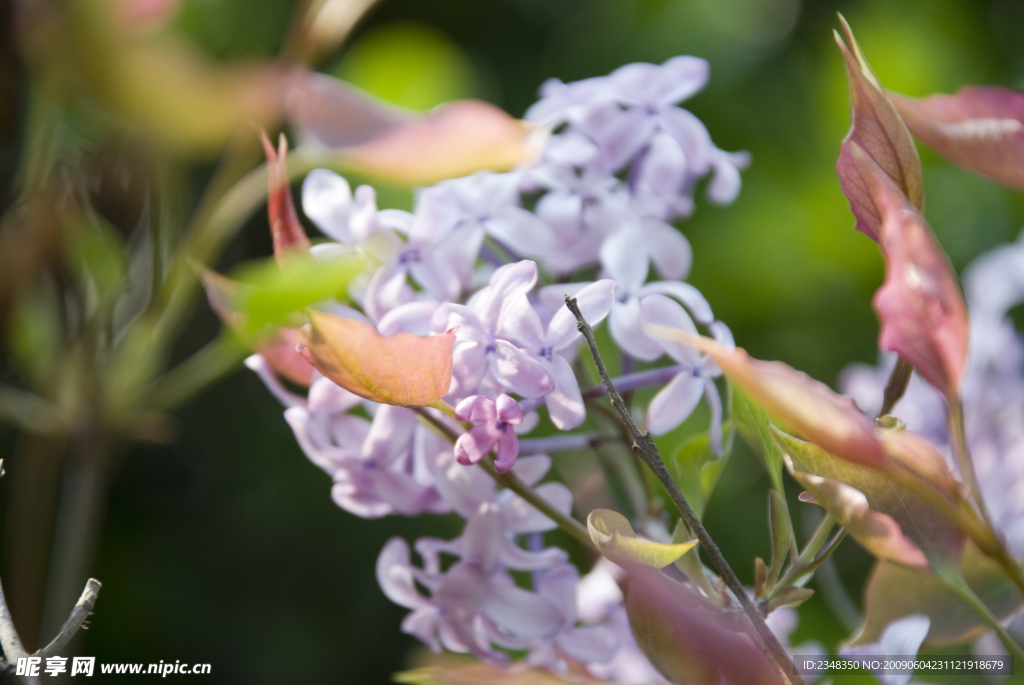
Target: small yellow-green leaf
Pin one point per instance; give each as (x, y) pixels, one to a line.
(790, 597)
(615, 539)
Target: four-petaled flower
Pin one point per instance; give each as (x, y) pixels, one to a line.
(494, 430)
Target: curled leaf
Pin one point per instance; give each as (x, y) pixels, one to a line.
(894, 591)
(403, 369)
(886, 516)
(923, 314)
(687, 638)
(615, 539)
(980, 128)
(878, 144)
(285, 229)
(810, 407)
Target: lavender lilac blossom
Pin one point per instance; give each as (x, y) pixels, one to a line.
(621, 163)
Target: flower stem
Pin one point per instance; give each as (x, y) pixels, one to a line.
(897, 385)
(510, 480)
(644, 446)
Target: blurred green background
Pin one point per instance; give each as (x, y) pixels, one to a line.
(224, 547)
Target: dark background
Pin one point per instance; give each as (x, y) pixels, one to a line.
(224, 547)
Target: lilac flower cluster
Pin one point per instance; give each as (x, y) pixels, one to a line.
(621, 162)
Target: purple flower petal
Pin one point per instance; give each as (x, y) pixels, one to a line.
(674, 403)
(509, 410)
(474, 445)
(662, 311)
(594, 300)
(522, 613)
(685, 293)
(327, 201)
(565, 402)
(477, 409)
(669, 249)
(623, 261)
(624, 325)
(508, 449)
(519, 371)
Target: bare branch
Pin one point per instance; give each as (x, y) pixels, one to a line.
(643, 445)
(78, 615)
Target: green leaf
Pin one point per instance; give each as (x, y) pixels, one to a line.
(36, 330)
(886, 516)
(790, 597)
(782, 533)
(696, 469)
(270, 295)
(753, 423)
(615, 539)
(895, 591)
(98, 260)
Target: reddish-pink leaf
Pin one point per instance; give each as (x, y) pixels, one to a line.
(395, 145)
(878, 142)
(403, 369)
(284, 358)
(687, 638)
(822, 416)
(923, 314)
(285, 228)
(279, 348)
(981, 128)
(453, 140)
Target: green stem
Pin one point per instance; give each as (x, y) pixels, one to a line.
(958, 439)
(202, 369)
(958, 585)
(511, 481)
(809, 558)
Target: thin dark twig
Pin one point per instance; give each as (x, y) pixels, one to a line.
(78, 615)
(644, 446)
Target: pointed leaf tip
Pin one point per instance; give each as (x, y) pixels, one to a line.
(923, 314)
(285, 228)
(878, 143)
(403, 369)
(615, 539)
(810, 407)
